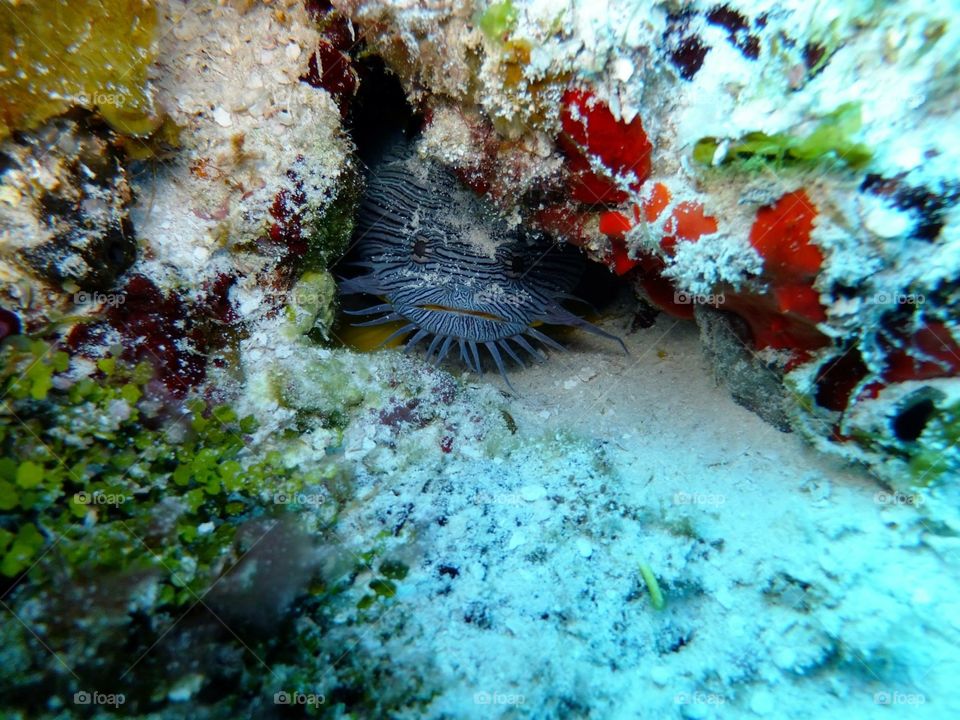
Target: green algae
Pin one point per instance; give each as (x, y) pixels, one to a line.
(498, 20)
(393, 569)
(653, 587)
(312, 306)
(832, 141)
(328, 231)
(937, 456)
(145, 544)
(87, 453)
(118, 515)
(328, 386)
(59, 54)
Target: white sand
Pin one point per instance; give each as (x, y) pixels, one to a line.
(793, 589)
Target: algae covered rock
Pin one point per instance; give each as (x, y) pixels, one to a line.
(64, 201)
(312, 304)
(58, 54)
(111, 524)
(754, 384)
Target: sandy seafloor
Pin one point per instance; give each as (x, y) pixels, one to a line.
(794, 587)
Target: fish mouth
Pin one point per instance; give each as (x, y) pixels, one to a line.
(463, 311)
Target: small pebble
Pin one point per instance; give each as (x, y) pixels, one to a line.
(532, 493)
(10, 195)
(887, 223)
(222, 117)
(762, 702)
(725, 598)
(784, 658)
(584, 547)
(693, 711)
(660, 675)
(622, 69)
(186, 687)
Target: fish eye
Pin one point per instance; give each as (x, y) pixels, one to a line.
(419, 253)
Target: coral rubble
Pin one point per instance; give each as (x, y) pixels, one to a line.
(67, 203)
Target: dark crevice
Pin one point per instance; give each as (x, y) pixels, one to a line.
(837, 379)
(911, 421)
(380, 113)
(686, 50)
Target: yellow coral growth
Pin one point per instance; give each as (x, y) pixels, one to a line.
(57, 54)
